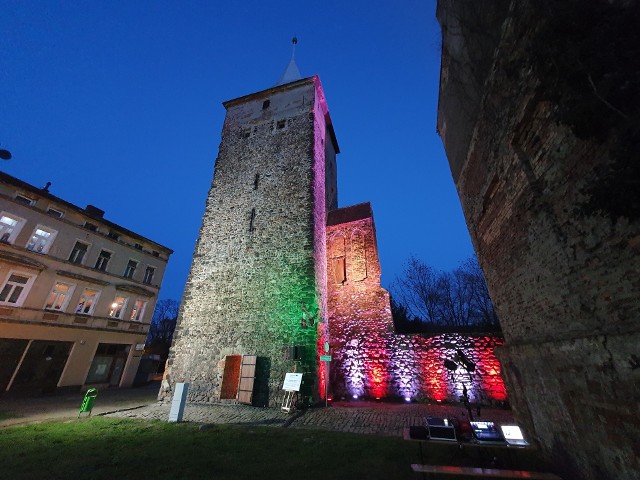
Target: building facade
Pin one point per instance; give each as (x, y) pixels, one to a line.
(77, 293)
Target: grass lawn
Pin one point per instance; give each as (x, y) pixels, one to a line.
(107, 448)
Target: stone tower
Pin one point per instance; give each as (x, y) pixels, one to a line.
(257, 285)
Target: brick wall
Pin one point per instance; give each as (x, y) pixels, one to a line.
(564, 282)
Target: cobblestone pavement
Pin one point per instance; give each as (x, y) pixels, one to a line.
(357, 417)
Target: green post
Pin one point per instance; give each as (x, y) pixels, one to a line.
(88, 401)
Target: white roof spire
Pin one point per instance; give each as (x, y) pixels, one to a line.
(291, 73)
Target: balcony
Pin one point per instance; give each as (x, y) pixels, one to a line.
(53, 318)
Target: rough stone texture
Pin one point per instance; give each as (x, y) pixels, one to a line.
(258, 277)
(369, 359)
(565, 286)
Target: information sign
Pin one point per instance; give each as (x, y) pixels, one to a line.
(292, 382)
(325, 358)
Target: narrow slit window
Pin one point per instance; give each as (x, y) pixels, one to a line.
(253, 217)
(266, 104)
(256, 181)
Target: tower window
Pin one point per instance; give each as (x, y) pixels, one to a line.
(280, 124)
(253, 217)
(256, 181)
(266, 104)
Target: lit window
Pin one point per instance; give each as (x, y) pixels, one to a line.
(131, 269)
(10, 226)
(41, 239)
(103, 260)
(117, 307)
(23, 199)
(55, 213)
(16, 288)
(78, 253)
(87, 301)
(59, 296)
(138, 310)
(148, 275)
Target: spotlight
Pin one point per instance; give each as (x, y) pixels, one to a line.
(407, 399)
(450, 365)
(355, 397)
(464, 360)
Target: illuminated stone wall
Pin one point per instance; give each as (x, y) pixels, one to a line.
(257, 283)
(369, 360)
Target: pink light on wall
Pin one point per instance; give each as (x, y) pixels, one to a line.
(435, 378)
(492, 381)
(377, 371)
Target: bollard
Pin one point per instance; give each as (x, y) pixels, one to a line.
(88, 401)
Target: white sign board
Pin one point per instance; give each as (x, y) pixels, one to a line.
(292, 382)
(178, 402)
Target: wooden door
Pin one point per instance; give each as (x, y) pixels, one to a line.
(230, 377)
(247, 378)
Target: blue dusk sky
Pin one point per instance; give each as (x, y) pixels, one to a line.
(119, 104)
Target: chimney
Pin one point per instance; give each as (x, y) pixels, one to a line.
(94, 211)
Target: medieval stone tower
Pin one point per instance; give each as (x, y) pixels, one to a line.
(256, 292)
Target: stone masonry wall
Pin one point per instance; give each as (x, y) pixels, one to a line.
(565, 283)
(369, 359)
(254, 285)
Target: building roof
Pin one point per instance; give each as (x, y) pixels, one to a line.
(90, 211)
(292, 72)
(350, 214)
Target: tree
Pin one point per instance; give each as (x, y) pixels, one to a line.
(458, 299)
(163, 324)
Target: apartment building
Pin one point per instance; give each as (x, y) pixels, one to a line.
(77, 293)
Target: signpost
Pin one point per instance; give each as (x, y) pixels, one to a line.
(326, 359)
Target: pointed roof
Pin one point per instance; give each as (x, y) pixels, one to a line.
(292, 72)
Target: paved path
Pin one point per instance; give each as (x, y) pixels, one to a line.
(357, 417)
(17, 411)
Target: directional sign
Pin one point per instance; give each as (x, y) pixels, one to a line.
(325, 358)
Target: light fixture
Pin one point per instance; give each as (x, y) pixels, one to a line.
(450, 365)
(464, 360)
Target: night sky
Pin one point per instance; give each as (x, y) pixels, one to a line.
(119, 105)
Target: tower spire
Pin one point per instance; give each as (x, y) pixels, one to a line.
(291, 73)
